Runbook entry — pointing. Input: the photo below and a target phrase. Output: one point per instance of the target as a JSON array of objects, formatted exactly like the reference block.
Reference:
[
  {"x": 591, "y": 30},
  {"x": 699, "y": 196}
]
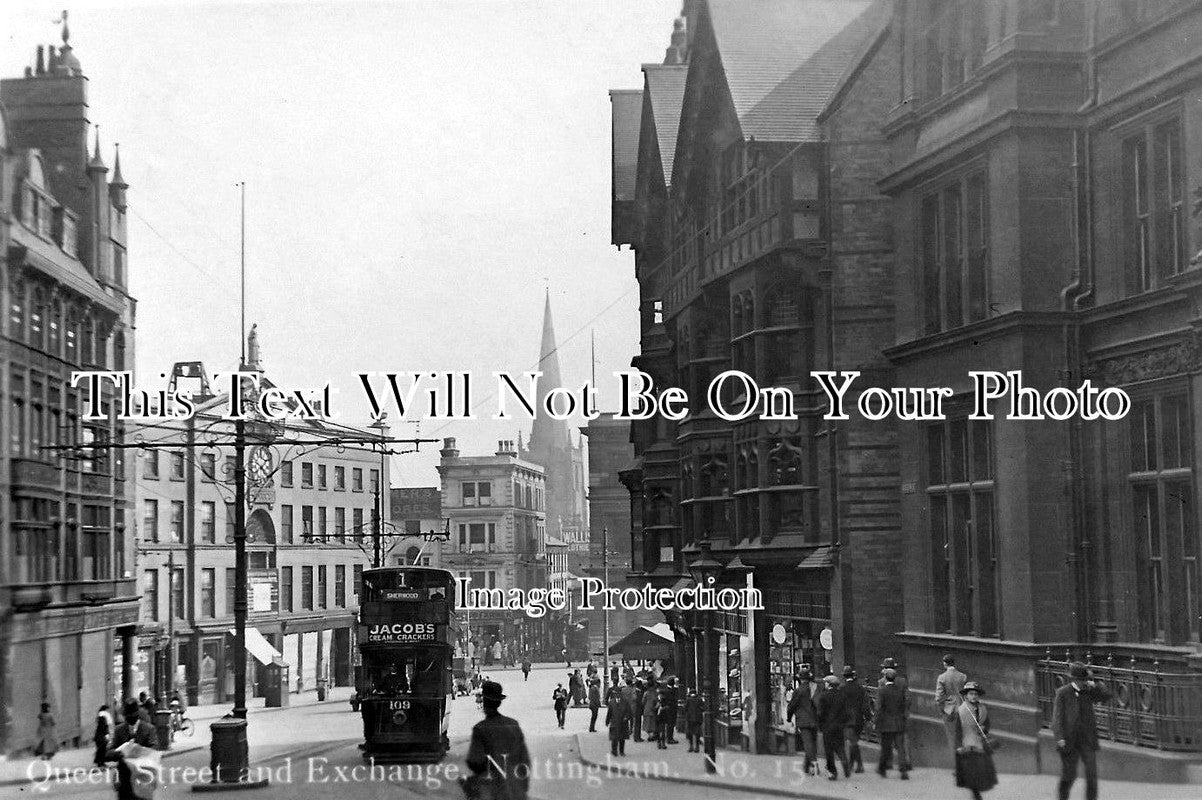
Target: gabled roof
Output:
[
  {"x": 665, "y": 88},
  {"x": 783, "y": 58},
  {"x": 627, "y": 118}
]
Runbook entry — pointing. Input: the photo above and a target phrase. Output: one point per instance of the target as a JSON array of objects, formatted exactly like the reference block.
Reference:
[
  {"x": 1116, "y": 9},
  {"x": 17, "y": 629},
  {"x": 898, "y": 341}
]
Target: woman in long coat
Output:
[
  {"x": 974, "y": 758},
  {"x": 47, "y": 744}
]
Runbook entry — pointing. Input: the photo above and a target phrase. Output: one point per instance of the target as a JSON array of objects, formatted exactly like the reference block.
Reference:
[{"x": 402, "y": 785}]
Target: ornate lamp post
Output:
[{"x": 705, "y": 570}]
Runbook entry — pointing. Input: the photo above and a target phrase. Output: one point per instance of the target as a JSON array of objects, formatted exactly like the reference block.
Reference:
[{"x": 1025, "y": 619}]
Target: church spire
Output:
[{"x": 548, "y": 434}]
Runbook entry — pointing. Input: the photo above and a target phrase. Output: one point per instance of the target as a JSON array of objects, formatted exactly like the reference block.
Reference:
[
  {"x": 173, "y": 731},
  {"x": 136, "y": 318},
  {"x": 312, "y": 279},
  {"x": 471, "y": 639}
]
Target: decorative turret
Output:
[
  {"x": 96, "y": 164},
  {"x": 117, "y": 185},
  {"x": 678, "y": 50},
  {"x": 66, "y": 63}
]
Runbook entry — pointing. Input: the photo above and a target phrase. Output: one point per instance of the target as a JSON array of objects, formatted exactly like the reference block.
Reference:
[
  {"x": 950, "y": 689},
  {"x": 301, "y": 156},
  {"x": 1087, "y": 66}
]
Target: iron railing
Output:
[{"x": 1150, "y": 707}]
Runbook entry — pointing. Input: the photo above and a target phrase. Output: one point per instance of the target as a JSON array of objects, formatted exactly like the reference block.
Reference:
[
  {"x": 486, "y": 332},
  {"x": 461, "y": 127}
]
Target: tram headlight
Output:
[{"x": 399, "y": 717}]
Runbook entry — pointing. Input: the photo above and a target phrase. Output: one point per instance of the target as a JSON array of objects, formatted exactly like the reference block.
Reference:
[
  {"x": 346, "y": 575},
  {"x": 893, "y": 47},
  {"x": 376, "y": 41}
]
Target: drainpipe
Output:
[{"x": 1073, "y": 298}]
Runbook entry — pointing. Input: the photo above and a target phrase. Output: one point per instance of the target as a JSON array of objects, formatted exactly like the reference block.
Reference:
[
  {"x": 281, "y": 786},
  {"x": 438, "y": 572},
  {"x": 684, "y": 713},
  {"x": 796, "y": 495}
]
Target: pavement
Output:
[
  {"x": 784, "y": 776},
  {"x": 309, "y": 751}
]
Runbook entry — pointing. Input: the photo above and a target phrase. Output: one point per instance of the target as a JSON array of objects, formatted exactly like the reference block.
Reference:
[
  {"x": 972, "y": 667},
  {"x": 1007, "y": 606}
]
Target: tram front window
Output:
[{"x": 417, "y": 675}]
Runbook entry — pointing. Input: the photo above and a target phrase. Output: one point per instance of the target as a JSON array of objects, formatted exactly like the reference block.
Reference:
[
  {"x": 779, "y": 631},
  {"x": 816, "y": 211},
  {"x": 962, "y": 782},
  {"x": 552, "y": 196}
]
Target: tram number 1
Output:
[{"x": 398, "y": 705}]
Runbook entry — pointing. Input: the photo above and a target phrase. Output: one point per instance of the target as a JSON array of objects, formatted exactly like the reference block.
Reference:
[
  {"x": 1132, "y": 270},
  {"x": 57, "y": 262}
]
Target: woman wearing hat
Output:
[{"x": 974, "y": 758}]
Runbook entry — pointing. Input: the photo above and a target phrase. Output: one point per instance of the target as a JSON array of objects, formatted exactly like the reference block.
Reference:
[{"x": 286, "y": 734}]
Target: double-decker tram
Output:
[{"x": 407, "y": 636}]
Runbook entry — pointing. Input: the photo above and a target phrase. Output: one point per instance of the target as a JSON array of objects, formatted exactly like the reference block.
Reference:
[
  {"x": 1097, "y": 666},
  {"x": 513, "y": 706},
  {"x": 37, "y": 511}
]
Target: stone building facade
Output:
[
  {"x": 496, "y": 508},
  {"x": 68, "y": 597},
  {"x": 763, "y": 245},
  {"x": 1042, "y": 158},
  {"x": 311, "y": 513}
]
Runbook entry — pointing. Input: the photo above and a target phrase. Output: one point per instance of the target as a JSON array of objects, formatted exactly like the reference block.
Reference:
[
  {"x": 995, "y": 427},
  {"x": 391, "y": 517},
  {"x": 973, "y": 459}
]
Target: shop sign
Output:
[
  {"x": 778, "y": 633},
  {"x": 402, "y": 632},
  {"x": 827, "y": 639}
]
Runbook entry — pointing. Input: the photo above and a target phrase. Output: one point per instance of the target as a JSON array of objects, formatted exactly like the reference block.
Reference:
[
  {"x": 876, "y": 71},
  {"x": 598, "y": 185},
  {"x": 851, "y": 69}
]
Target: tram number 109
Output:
[{"x": 398, "y": 705}]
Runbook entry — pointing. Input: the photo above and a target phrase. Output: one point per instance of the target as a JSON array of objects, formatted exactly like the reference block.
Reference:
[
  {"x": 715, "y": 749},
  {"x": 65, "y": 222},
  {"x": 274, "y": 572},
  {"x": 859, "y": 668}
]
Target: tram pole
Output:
[
  {"x": 605, "y": 610},
  {"x": 240, "y": 568}
]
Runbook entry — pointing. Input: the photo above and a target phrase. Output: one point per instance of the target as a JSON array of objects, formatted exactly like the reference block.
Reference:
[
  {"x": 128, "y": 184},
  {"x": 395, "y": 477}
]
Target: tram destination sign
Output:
[
  {"x": 400, "y": 594},
  {"x": 402, "y": 632}
]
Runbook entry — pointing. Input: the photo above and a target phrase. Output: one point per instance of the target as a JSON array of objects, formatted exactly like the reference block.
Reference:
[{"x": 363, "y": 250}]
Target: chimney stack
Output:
[{"x": 448, "y": 448}]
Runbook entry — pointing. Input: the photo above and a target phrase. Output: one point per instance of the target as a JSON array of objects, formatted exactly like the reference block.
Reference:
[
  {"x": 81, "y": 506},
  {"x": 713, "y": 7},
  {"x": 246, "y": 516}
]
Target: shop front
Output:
[
  {"x": 799, "y": 637},
  {"x": 735, "y": 688}
]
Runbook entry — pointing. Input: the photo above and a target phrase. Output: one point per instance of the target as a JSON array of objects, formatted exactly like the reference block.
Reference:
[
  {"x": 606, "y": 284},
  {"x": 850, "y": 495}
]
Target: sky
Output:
[{"x": 418, "y": 174}]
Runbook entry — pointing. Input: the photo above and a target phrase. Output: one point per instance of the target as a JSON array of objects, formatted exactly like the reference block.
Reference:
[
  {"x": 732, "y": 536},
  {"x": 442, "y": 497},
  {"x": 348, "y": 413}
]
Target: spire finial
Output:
[
  {"x": 66, "y": 30},
  {"x": 117, "y": 164},
  {"x": 97, "y": 163}
]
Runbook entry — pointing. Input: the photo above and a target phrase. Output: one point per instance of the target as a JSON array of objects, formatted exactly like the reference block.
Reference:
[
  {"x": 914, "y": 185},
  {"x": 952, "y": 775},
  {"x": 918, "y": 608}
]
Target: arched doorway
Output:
[{"x": 260, "y": 528}]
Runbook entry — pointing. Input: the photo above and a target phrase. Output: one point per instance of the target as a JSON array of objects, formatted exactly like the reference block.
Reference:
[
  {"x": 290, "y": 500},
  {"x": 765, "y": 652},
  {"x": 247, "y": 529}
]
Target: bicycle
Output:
[{"x": 181, "y": 724}]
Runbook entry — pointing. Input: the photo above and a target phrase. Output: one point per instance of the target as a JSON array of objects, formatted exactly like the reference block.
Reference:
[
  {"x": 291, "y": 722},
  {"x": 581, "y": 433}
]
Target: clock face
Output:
[{"x": 260, "y": 466}]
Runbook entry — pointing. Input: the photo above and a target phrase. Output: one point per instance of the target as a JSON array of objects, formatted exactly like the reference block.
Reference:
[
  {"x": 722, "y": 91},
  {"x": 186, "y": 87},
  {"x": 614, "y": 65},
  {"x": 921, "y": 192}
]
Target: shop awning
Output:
[
  {"x": 821, "y": 558},
  {"x": 646, "y": 642},
  {"x": 258, "y": 646}
]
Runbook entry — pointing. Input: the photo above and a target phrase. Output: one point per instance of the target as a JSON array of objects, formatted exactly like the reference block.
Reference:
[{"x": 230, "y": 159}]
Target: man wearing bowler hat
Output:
[
  {"x": 497, "y": 742},
  {"x": 1076, "y": 729}
]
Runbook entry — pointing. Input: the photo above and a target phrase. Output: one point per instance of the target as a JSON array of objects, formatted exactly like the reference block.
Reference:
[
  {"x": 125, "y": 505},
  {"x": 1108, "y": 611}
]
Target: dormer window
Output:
[
  {"x": 38, "y": 212},
  {"x": 68, "y": 234}
]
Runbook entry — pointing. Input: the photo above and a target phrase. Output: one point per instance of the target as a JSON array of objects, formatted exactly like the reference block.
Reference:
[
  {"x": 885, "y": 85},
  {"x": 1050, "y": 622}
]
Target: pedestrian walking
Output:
[
  {"x": 804, "y": 715},
  {"x": 974, "y": 758},
  {"x": 47, "y": 744},
  {"x": 636, "y": 709},
  {"x": 144, "y": 708},
  {"x": 618, "y": 719},
  {"x": 1076, "y": 730},
  {"x": 891, "y": 725},
  {"x": 948, "y": 699},
  {"x": 651, "y": 713},
  {"x": 581, "y": 697},
  {"x": 900, "y": 679},
  {"x": 673, "y": 709},
  {"x": 693, "y": 715},
  {"x": 497, "y": 754},
  {"x": 858, "y": 710},
  {"x": 560, "y": 699},
  {"x": 594, "y": 703},
  {"x": 832, "y": 717},
  {"x": 104, "y": 730},
  {"x": 526, "y": 669},
  {"x": 133, "y": 728},
  {"x": 663, "y": 717}
]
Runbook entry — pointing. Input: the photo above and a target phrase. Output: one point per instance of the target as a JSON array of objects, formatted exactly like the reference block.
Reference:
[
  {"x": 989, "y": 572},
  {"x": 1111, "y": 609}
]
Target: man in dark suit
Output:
[
  {"x": 891, "y": 724},
  {"x": 858, "y": 709},
  {"x": 673, "y": 708},
  {"x": 497, "y": 740},
  {"x": 804, "y": 715},
  {"x": 832, "y": 714},
  {"x": 133, "y": 729},
  {"x": 618, "y": 718},
  {"x": 899, "y": 678},
  {"x": 1076, "y": 729}
]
